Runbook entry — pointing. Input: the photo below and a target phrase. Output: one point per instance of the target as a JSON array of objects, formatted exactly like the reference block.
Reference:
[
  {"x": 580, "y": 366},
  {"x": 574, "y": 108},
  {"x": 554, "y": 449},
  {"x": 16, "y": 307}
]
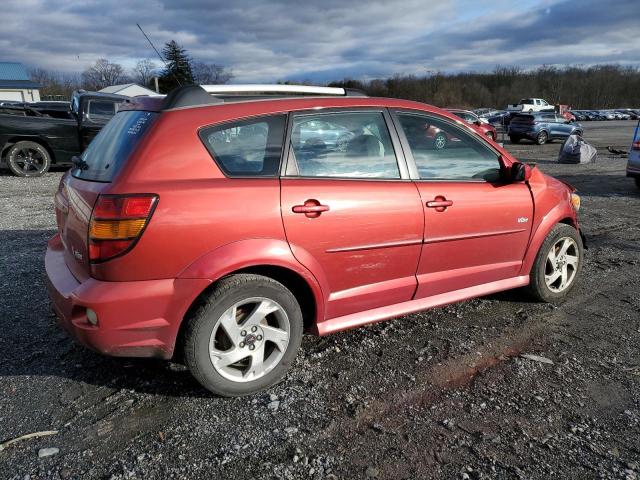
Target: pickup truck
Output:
[
  {"x": 531, "y": 105},
  {"x": 35, "y": 136}
]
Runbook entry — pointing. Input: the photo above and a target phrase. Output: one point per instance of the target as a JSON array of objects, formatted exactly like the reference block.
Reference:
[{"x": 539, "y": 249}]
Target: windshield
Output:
[{"x": 109, "y": 150}]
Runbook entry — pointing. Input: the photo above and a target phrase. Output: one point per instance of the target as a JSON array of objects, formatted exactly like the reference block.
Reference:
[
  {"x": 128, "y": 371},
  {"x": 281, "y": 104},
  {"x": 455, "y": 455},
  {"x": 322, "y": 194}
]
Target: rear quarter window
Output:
[
  {"x": 110, "y": 149},
  {"x": 247, "y": 148}
]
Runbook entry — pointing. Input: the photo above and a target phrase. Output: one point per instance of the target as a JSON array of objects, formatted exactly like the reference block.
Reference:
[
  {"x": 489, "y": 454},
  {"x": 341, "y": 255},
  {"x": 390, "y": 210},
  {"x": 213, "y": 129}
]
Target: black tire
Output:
[
  {"x": 514, "y": 139},
  {"x": 28, "y": 159},
  {"x": 542, "y": 138},
  {"x": 200, "y": 328},
  {"x": 537, "y": 287},
  {"x": 440, "y": 141},
  {"x": 637, "y": 179}
]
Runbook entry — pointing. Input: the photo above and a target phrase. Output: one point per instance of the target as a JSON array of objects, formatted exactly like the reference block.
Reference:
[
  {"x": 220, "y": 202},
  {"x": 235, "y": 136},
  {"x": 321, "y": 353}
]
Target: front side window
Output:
[
  {"x": 249, "y": 148},
  {"x": 443, "y": 151},
  {"x": 347, "y": 145}
]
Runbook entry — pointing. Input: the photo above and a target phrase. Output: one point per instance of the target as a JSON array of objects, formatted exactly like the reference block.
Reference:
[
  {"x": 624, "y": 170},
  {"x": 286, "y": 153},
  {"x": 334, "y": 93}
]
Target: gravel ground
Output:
[{"x": 441, "y": 394}]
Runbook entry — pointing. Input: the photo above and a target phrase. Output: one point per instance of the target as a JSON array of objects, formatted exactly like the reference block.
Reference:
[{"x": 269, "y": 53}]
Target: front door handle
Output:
[
  {"x": 439, "y": 203},
  {"x": 312, "y": 208}
]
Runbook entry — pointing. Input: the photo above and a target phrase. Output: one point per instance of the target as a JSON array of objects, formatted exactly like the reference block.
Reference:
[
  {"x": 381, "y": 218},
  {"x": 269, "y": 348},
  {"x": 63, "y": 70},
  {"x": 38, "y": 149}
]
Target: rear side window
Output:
[
  {"x": 346, "y": 145},
  {"x": 249, "y": 148},
  {"x": 109, "y": 150}
]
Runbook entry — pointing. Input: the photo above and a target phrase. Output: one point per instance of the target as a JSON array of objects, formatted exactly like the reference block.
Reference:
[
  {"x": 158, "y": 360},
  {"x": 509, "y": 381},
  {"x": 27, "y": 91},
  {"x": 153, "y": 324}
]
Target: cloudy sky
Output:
[{"x": 262, "y": 40}]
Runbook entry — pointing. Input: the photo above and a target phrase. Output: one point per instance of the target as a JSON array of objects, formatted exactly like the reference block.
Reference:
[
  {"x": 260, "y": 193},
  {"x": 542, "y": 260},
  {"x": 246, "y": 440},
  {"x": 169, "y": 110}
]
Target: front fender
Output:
[
  {"x": 256, "y": 252},
  {"x": 557, "y": 214}
]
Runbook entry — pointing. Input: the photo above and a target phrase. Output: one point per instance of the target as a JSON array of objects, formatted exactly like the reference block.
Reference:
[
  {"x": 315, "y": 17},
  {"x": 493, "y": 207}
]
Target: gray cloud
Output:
[{"x": 274, "y": 40}]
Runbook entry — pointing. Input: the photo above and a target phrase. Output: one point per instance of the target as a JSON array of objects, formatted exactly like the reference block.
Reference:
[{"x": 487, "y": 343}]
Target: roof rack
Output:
[
  {"x": 256, "y": 89},
  {"x": 197, "y": 95}
]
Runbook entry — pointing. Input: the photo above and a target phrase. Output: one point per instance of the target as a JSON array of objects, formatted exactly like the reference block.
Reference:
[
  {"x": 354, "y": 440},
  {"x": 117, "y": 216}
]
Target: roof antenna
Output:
[{"x": 160, "y": 56}]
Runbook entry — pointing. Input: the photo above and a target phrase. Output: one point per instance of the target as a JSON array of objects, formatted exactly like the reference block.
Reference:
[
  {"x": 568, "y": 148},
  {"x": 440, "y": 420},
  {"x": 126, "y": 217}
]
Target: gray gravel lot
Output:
[{"x": 439, "y": 394}]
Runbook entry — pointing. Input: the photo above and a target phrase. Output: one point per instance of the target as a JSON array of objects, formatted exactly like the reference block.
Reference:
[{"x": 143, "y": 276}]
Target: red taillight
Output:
[
  {"x": 635, "y": 145},
  {"x": 117, "y": 221}
]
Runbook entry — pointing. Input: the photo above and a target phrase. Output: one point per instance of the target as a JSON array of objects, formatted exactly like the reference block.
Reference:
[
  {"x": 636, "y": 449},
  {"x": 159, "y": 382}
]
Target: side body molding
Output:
[{"x": 260, "y": 252}]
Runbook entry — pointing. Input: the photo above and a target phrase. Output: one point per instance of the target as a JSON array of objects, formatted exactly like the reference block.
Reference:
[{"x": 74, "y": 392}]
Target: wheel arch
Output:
[
  {"x": 22, "y": 138},
  {"x": 268, "y": 257},
  {"x": 558, "y": 215}
]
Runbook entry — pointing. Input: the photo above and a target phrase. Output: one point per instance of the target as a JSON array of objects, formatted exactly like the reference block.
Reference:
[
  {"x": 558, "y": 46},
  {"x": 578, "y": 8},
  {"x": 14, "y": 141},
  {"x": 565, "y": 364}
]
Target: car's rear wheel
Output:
[
  {"x": 542, "y": 138},
  {"x": 557, "y": 265},
  {"x": 514, "y": 139},
  {"x": 490, "y": 136},
  {"x": 637, "y": 179},
  {"x": 28, "y": 159},
  {"x": 245, "y": 337}
]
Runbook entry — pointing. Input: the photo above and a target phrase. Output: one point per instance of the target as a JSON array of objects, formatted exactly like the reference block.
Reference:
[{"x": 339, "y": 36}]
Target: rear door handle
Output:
[
  {"x": 439, "y": 203},
  {"x": 311, "y": 208}
]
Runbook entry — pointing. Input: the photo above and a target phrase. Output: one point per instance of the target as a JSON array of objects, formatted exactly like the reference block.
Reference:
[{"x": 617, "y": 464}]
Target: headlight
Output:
[{"x": 575, "y": 201}]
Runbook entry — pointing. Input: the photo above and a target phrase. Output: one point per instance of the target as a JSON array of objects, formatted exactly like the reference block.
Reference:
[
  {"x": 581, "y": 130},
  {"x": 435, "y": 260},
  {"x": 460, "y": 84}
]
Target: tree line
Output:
[
  {"x": 179, "y": 69},
  {"x": 599, "y": 86}
]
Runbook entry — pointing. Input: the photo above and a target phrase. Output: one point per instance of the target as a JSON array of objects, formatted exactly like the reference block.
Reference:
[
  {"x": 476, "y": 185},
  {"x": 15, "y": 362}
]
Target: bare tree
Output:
[
  {"x": 210, "y": 73},
  {"x": 143, "y": 72},
  {"x": 56, "y": 84},
  {"x": 102, "y": 74}
]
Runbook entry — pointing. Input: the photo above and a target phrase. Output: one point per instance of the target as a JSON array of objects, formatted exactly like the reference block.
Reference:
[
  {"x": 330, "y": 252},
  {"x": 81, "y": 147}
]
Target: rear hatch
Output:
[
  {"x": 92, "y": 175},
  {"x": 522, "y": 122}
]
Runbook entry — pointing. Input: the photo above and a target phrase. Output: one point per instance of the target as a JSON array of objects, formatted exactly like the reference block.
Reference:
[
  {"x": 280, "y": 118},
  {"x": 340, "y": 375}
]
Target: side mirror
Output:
[
  {"x": 478, "y": 122},
  {"x": 519, "y": 172}
]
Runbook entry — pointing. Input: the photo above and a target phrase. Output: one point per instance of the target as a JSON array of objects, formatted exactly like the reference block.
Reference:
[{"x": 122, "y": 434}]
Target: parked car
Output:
[
  {"x": 579, "y": 115},
  {"x": 531, "y": 105},
  {"x": 501, "y": 119},
  {"x": 606, "y": 114},
  {"x": 633, "y": 163},
  {"x": 541, "y": 127},
  {"x": 622, "y": 115},
  {"x": 484, "y": 128},
  {"x": 485, "y": 112},
  {"x": 202, "y": 226},
  {"x": 35, "y": 136},
  {"x": 599, "y": 115}
]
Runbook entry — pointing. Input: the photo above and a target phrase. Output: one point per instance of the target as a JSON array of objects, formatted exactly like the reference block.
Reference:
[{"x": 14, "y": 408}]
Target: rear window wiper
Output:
[{"x": 79, "y": 163}]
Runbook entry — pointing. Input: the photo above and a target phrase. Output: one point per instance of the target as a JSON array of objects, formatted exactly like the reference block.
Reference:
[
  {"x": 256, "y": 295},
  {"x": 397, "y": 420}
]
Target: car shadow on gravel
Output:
[{"x": 32, "y": 344}]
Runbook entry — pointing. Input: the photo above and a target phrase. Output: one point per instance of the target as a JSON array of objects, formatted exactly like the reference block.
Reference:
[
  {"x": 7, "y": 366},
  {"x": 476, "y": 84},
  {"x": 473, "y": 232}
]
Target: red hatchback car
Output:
[
  {"x": 223, "y": 226},
  {"x": 485, "y": 128}
]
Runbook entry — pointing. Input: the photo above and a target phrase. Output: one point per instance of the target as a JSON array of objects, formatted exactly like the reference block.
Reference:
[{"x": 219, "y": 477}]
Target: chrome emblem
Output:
[{"x": 523, "y": 220}]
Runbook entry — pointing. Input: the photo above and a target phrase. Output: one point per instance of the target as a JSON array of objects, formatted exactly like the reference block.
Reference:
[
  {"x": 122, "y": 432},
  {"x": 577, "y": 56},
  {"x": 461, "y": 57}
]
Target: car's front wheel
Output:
[
  {"x": 245, "y": 337},
  {"x": 514, "y": 139},
  {"x": 557, "y": 265}
]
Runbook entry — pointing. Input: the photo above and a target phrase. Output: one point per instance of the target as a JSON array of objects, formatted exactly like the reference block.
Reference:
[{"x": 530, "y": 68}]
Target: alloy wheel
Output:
[
  {"x": 29, "y": 160},
  {"x": 561, "y": 265},
  {"x": 249, "y": 339}
]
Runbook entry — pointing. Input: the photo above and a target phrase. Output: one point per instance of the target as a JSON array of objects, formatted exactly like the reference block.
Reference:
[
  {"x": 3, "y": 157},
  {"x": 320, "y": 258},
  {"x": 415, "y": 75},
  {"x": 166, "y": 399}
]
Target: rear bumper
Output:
[
  {"x": 633, "y": 165},
  {"x": 524, "y": 133},
  {"x": 135, "y": 319}
]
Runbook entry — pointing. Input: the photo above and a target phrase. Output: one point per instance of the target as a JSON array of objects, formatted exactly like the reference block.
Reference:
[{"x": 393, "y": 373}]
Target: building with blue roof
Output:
[{"x": 16, "y": 85}]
